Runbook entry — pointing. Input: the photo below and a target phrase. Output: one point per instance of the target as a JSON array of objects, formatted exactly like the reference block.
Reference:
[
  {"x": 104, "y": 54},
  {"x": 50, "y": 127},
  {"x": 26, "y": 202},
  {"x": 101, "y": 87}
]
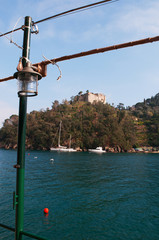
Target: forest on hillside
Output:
[{"x": 89, "y": 125}]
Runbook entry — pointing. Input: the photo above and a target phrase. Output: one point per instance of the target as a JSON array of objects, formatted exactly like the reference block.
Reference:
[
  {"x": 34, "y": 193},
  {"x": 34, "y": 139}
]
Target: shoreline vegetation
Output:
[{"x": 90, "y": 125}]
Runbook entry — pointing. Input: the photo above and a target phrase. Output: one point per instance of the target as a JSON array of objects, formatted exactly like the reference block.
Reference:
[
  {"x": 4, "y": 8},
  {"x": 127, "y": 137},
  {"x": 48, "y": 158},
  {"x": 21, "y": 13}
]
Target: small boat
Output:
[
  {"x": 59, "y": 148},
  {"x": 97, "y": 150},
  {"x": 67, "y": 150},
  {"x": 62, "y": 148}
]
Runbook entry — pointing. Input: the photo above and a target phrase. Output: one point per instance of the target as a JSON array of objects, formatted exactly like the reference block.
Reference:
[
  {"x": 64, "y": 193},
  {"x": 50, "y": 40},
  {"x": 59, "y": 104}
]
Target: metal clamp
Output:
[
  {"x": 34, "y": 28},
  {"x": 15, "y": 202},
  {"x": 16, "y": 166}
]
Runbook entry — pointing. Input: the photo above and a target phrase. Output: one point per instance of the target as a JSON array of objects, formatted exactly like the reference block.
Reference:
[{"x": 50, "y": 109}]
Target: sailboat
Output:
[{"x": 63, "y": 148}]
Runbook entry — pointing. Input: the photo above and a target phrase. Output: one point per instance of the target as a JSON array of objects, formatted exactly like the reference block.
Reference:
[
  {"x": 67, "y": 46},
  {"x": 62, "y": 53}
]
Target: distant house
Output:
[{"x": 92, "y": 97}]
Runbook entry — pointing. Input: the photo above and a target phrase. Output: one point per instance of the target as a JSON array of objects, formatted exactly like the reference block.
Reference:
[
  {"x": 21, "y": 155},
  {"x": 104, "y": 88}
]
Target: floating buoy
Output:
[
  {"x": 51, "y": 159},
  {"x": 46, "y": 210}
]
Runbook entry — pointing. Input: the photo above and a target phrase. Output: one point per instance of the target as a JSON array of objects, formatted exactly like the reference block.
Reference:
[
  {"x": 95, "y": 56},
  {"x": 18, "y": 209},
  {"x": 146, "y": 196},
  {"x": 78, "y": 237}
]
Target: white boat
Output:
[
  {"x": 97, "y": 150},
  {"x": 63, "y": 148},
  {"x": 67, "y": 150},
  {"x": 55, "y": 149}
]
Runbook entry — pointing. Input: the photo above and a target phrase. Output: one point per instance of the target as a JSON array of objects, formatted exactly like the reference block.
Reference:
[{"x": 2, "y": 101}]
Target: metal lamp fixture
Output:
[{"x": 27, "y": 81}]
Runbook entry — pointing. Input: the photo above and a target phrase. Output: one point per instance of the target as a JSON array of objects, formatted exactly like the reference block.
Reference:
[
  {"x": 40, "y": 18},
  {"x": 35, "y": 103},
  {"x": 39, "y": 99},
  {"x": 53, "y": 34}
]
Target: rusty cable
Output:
[{"x": 91, "y": 52}]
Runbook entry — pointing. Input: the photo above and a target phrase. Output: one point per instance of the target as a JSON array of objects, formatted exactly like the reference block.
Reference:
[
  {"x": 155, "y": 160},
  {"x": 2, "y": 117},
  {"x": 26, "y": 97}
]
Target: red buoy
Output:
[{"x": 46, "y": 210}]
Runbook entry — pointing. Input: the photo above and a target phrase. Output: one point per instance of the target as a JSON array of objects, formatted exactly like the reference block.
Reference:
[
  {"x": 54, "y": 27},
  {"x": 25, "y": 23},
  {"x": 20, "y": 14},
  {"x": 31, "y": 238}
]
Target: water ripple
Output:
[{"x": 93, "y": 197}]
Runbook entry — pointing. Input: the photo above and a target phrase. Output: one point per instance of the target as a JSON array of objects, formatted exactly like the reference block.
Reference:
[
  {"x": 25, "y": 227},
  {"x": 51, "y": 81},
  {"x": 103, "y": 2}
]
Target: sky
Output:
[{"x": 125, "y": 76}]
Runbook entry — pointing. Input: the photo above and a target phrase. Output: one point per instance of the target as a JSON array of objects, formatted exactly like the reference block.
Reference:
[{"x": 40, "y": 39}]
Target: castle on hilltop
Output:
[{"x": 92, "y": 97}]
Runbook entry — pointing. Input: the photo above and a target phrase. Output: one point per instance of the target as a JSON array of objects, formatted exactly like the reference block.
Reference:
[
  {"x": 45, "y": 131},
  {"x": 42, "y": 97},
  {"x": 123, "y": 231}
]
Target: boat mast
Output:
[
  {"x": 59, "y": 135},
  {"x": 70, "y": 142}
]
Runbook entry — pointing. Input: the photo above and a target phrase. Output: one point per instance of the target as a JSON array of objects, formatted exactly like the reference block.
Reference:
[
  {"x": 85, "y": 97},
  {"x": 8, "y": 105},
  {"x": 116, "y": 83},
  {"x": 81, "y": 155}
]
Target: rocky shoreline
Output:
[
  {"x": 133, "y": 150},
  {"x": 116, "y": 149}
]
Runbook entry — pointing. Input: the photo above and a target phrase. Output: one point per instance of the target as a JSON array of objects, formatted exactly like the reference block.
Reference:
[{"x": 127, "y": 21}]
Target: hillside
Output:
[
  {"x": 147, "y": 113},
  {"x": 90, "y": 125}
]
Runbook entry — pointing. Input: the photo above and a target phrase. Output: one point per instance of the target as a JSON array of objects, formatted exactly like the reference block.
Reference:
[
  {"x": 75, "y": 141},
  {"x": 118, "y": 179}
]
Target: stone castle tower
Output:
[{"x": 92, "y": 97}]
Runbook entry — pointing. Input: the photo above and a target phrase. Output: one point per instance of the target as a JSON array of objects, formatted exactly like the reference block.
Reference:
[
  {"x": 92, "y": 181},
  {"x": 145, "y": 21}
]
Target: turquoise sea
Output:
[{"x": 89, "y": 196}]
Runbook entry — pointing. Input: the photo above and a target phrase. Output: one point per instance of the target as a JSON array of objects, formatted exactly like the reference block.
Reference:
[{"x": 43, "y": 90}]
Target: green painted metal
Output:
[
  {"x": 7, "y": 227},
  {"x": 23, "y": 233},
  {"x": 19, "y": 225},
  {"x": 18, "y": 197},
  {"x": 32, "y": 235},
  {"x": 14, "y": 200}
]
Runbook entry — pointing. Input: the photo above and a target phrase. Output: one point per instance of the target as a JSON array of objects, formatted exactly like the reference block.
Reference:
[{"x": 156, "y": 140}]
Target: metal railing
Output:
[{"x": 22, "y": 233}]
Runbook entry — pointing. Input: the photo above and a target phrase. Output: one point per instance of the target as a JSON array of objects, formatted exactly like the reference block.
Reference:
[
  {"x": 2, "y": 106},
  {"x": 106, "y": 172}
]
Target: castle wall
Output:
[
  {"x": 91, "y": 97},
  {"x": 98, "y": 97}
]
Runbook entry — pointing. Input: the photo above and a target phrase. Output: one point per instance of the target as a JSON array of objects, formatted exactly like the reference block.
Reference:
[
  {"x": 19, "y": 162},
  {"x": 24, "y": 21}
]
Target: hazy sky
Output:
[{"x": 127, "y": 75}]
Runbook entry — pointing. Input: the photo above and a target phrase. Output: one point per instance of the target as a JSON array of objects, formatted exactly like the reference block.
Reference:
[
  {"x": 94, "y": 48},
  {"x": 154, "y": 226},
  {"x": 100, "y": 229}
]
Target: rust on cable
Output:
[
  {"x": 100, "y": 50},
  {"x": 6, "y": 79},
  {"x": 42, "y": 66}
]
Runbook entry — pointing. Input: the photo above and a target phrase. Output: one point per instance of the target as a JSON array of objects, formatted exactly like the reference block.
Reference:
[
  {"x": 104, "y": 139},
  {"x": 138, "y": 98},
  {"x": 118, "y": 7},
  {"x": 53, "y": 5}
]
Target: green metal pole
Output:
[{"x": 21, "y": 139}]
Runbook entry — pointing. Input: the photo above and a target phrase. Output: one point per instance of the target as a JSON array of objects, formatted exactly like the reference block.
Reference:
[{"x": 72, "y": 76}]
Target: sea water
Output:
[{"x": 90, "y": 196}]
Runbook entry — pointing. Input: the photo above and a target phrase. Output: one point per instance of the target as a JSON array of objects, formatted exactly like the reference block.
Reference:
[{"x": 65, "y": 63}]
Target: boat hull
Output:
[
  {"x": 63, "y": 149},
  {"x": 97, "y": 150}
]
